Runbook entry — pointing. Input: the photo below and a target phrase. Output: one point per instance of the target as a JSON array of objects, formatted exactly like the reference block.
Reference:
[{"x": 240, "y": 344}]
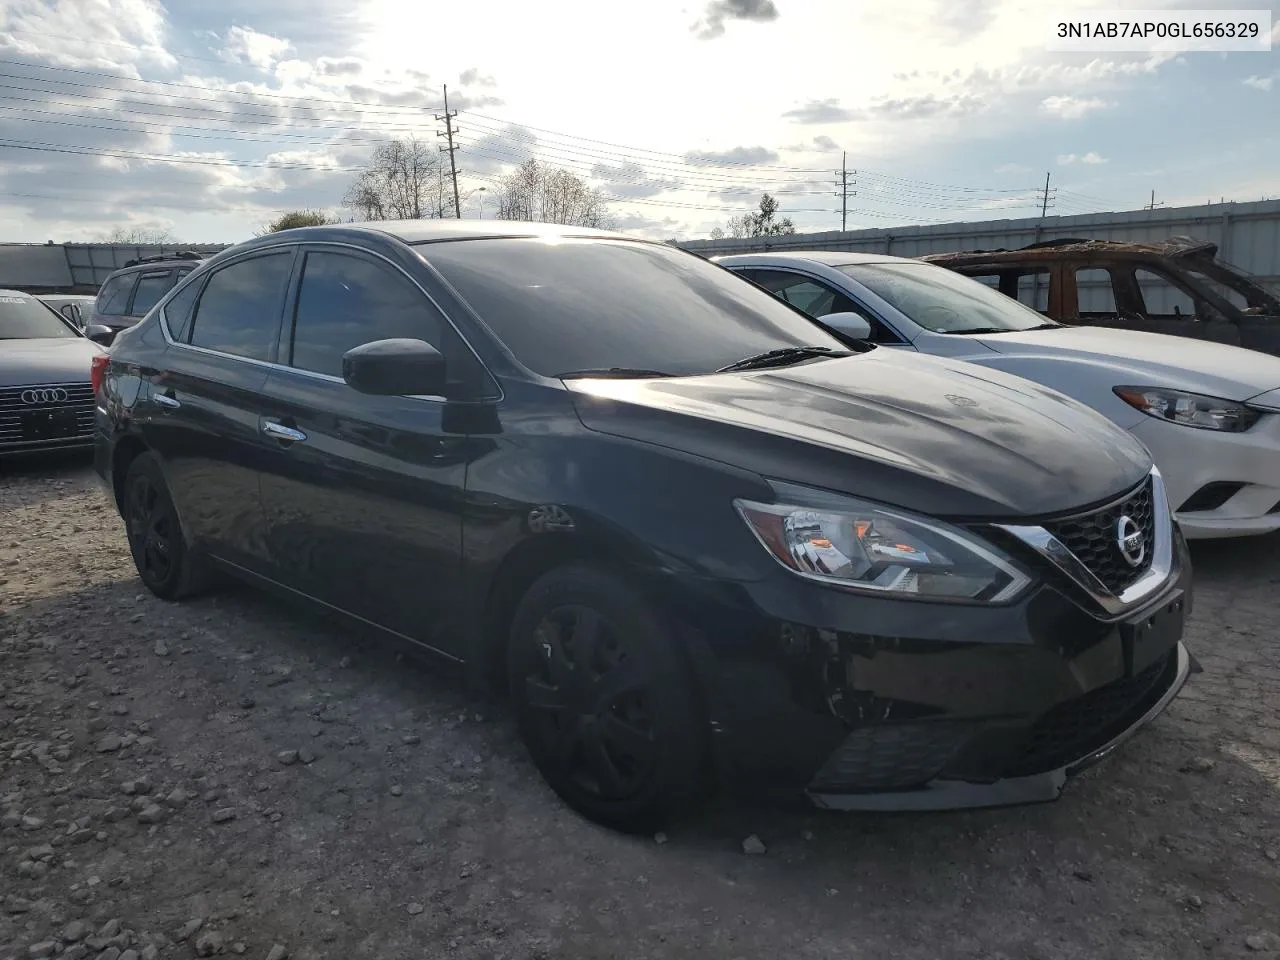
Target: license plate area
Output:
[
  {"x": 49, "y": 425},
  {"x": 1154, "y": 636}
]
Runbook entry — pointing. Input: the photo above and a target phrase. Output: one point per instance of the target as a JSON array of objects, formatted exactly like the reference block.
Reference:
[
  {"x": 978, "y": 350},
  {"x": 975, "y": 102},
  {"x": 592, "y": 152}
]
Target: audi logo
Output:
[{"x": 45, "y": 395}]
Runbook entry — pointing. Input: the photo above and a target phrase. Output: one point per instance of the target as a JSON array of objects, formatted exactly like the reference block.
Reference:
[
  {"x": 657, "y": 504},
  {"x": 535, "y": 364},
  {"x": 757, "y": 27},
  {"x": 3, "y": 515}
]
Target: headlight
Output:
[
  {"x": 866, "y": 547},
  {"x": 1189, "y": 409}
]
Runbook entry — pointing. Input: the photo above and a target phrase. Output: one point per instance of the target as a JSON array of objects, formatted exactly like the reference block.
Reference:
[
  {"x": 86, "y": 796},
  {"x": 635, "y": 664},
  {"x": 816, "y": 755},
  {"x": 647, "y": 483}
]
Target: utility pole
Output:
[
  {"x": 1044, "y": 204},
  {"x": 450, "y": 149},
  {"x": 1152, "y": 205},
  {"x": 844, "y": 194}
]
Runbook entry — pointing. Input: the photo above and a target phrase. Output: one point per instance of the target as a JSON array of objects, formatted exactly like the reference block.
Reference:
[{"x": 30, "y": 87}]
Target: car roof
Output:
[
  {"x": 1076, "y": 248},
  {"x": 831, "y": 258},
  {"x": 429, "y": 231}
]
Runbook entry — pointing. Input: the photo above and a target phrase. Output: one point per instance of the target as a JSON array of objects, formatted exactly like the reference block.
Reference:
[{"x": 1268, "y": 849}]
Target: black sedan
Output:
[
  {"x": 46, "y": 402},
  {"x": 698, "y": 541}
]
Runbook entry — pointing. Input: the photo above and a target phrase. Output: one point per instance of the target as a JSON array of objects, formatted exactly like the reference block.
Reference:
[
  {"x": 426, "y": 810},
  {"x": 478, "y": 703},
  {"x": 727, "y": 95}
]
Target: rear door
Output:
[
  {"x": 202, "y": 409},
  {"x": 364, "y": 494}
]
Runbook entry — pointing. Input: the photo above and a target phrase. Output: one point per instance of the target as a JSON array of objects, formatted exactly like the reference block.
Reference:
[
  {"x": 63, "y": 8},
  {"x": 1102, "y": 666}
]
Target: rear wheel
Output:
[
  {"x": 160, "y": 551},
  {"x": 606, "y": 704}
]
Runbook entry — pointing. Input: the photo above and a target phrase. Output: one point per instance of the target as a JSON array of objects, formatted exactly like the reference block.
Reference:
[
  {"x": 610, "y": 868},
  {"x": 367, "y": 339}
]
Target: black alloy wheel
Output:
[
  {"x": 606, "y": 704},
  {"x": 160, "y": 552},
  {"x": 591, "y": 704},
  {"x": 153, "y": 530}
]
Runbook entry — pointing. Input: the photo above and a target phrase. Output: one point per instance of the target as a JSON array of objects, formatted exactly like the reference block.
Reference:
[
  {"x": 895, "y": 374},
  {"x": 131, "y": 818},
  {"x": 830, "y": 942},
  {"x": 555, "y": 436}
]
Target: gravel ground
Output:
[{"x": 231, "y": 776}]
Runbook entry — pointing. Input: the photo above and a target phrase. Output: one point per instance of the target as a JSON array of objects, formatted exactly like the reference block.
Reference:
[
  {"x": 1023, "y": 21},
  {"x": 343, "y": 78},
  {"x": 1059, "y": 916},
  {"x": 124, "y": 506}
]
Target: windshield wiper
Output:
[
  {"x": 781, "y": 357},
  {"x": 968, "y": 330},
  {"x": 616, "y": 373}
]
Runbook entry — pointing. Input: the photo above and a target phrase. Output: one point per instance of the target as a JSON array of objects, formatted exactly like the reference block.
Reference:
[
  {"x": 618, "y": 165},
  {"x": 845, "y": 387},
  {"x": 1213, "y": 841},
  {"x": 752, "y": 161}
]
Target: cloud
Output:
[
  {"x": 632, "y": 180},
  {"x": 928, "y": 105},
  {"x": 1072, "y": 108},
  {"x": 246, "y": 45},
  {"x": 1091, "y": 157},
  {"x": 1011, "y": 168},
  {"x": 820, "y": 111},
  {"x": 743, "y": 155},
  {"x": 718, "y": 11},
  {"x": 824, "y": 144},
  {"x": 474, "y": 77},
  {"x": 1260, "y": 83},
  {"x": 338, "y": 66}
]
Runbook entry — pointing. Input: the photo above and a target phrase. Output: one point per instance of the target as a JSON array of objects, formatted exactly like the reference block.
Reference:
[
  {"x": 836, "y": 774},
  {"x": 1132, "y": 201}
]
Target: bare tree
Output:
[
  {"x": 404, "y": 180},
  {"x": 139, "y": 235},
  {"x": 550, "y": 195}
]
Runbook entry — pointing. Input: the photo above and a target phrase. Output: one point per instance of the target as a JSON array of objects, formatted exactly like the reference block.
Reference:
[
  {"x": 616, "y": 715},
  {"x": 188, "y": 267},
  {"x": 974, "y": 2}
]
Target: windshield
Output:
[
  {"x": 943, "y": 301},
  {"x": 567, "y": 305},
  {"x": 26, "y": 318},
  {"x": 1241, "y": 292}
]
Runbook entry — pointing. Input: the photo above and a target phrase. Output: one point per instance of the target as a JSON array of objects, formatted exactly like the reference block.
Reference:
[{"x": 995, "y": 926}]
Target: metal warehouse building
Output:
[
  {"x": 76, "y": 267},
  {"x": 1247, "y": 235}
]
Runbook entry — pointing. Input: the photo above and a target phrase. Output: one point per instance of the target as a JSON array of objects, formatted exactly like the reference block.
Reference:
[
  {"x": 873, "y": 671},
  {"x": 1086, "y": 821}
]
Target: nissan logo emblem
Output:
[
  {"x": 45, "y": 395},
  {"x": 1130, "y": 540}
]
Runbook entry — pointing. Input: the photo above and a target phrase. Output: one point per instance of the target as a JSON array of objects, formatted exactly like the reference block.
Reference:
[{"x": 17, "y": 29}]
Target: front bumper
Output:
[
  {"x": 869, "y": 703},
  {"x": 1085, "y": 731},
  {"x": 1194, "y": 460}
]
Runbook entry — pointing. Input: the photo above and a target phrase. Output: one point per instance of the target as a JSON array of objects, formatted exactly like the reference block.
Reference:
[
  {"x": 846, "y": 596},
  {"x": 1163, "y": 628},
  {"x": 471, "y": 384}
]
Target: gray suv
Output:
[{"x": 127, "y": 295}]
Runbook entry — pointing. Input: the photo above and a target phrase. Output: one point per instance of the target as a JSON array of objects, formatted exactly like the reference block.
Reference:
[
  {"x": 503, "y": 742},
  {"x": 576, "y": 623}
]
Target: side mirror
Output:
[
  {"x": 848, "y": 324},
  {"x": 395, "y": 368},
  {"x": 100, "y": 333}
]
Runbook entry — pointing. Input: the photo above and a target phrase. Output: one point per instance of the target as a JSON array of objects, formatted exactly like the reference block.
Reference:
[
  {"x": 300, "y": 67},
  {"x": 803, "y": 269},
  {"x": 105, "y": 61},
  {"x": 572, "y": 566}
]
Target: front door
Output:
[{"x": 364, "y": 493}]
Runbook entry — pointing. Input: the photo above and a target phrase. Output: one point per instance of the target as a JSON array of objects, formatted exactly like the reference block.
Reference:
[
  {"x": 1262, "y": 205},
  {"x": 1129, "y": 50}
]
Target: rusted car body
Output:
[{"x": 1178, "y": 287}]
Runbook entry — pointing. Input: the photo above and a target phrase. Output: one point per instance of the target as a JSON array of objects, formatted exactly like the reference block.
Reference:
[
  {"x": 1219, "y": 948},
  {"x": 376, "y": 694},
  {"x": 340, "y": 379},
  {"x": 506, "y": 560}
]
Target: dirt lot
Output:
[{"x": 231, "y": 776}]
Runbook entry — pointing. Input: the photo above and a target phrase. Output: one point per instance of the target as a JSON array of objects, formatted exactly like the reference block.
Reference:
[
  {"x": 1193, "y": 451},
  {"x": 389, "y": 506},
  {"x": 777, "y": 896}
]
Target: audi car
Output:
[
  {"x": 698, "y": 541},
  {"x": 46, "y": 401},
  {"x": 1209, "y": 412}
]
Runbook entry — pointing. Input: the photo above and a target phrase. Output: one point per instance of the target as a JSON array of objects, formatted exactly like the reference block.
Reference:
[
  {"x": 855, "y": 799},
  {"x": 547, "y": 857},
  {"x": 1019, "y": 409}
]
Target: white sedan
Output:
[{"x": 1209, "y": 413}]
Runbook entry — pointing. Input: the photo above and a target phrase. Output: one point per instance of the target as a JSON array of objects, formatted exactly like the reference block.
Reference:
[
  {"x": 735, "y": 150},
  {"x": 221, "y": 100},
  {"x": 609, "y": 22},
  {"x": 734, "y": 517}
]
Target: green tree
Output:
[
  {"x": 764, "y": 222},
  {"x": 298, "y": 218}
]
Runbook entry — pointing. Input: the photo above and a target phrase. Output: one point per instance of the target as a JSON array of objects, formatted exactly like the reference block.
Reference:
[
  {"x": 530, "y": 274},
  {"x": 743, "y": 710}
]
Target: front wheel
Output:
[
  {"x": 605, "y": 701},
  {"x": 160, "y": 551}
]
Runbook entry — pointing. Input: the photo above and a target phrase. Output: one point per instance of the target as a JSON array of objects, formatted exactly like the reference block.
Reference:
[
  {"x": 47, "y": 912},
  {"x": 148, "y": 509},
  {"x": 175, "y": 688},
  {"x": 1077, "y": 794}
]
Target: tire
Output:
[
  {"x": 164, "y": 560},
  {"x": 605, "y": 702}
]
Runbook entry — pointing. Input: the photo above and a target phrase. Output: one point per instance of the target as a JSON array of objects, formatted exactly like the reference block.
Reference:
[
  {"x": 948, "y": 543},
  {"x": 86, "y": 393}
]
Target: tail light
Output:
[{"x": 98, "y": 372}]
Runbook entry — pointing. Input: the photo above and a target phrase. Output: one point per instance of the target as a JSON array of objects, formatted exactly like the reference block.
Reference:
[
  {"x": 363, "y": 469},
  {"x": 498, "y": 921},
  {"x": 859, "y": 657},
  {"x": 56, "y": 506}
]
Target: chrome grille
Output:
[
  {"x": 36, "y": 413},
  {"x": 1092, "y": 538}
]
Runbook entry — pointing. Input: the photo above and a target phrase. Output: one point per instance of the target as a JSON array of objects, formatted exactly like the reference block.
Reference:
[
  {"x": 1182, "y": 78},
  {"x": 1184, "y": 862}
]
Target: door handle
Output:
[
  {"x": 167, "y": 400},
  {"x": 278, "y": 431}
]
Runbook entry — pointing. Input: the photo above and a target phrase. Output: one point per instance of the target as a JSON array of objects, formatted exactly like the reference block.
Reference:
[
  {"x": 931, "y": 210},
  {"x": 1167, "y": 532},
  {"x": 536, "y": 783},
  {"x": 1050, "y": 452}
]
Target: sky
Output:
[{"x": 207, "y": 120}]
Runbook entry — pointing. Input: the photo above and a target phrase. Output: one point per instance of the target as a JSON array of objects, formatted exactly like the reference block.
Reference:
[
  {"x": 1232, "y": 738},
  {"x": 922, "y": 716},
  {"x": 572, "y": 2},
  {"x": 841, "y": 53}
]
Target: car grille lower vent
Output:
[
  {"x": 1093, "y": 538},
  {"x": 1076, "y": 728}
]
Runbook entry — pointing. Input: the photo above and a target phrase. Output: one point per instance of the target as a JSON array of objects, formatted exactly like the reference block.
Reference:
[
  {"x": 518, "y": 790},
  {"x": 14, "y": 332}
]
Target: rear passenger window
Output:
[
  {"x": 113, "y": 298},
  {"x": 344, "y": 301},
  {"x": 1094, "y": 290},
  {"x": 1033, "y": 290},
  {"x": 177, "y": 312},
  {"x": 151, "y": 287},
  {"x": 239, "y": 310}
]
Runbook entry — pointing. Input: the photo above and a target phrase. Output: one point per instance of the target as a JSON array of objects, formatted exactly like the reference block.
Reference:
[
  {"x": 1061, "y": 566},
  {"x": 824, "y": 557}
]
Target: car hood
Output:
[
  {"x": 1151, "y": 359},
  {"x": 46, "y": 360},
  {"x": 941, "y": 437}
]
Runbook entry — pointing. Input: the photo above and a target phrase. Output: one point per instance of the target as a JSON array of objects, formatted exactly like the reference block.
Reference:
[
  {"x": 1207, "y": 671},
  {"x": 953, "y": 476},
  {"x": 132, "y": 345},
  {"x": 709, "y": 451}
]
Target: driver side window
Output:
[
  {"x": 817, "y": 299},
  {"x": 344, "y": 301}
]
